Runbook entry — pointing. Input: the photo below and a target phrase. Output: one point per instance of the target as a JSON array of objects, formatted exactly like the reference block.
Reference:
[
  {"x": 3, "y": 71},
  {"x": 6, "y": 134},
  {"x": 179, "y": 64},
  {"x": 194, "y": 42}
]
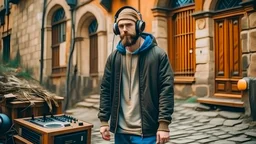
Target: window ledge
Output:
[
  {"x": 184, "y": 80},
  {"x": 58, "y": 75}
]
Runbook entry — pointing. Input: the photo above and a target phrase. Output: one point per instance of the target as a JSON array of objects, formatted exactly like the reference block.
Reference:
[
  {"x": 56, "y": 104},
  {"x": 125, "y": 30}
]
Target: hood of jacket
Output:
[{"x": 149, "y": 42}]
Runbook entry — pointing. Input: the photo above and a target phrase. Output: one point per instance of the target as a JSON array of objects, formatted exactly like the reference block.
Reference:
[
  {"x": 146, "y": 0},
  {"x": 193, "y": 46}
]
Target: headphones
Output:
[{"x": 139, "y": 24}]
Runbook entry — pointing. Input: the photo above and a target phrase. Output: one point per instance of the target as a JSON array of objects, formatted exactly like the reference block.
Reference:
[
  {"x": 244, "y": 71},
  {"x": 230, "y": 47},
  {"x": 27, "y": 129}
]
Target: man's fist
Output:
[{"x": 104, "y": 131}]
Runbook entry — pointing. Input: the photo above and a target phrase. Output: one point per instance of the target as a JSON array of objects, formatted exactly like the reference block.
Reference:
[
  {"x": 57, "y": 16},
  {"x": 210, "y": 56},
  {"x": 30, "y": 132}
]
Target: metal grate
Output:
[
  {"x": 184, "y": 43},
  {"x": 181, "y": 3}
]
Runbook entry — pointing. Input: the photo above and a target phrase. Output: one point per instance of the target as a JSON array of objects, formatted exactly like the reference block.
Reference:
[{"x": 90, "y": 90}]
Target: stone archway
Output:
[
  {"x": 84, "y": 16},
  {"x": 51, "y": 8}
]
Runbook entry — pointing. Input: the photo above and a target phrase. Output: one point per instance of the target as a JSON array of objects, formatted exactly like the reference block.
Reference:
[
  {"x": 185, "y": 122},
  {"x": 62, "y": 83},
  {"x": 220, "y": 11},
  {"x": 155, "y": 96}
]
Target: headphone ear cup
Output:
[
  {"x": 115, "y": 29},
  {"x": 140, "y": 26}
]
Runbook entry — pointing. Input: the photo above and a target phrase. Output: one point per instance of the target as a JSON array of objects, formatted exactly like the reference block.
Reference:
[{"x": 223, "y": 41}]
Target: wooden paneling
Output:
[
  {"x": 58, "y": 31},
  {"x": 183, "y": 47},
  {"x": 93, "y": 53},
  {"x": 227, "y": 55}
]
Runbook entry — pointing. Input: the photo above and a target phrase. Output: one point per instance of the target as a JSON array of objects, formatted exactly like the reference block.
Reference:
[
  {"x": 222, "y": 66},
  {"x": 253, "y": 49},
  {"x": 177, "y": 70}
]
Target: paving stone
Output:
[
  {"x": 197, "y": 124},
  {"x": 191, "y": 112},
  {"x": 182, "y": 141},
  {"x": 207, "y": 140},
  {"x": 185, "y": 111},
  {"x": 187, "y": 122},
  {"x": 190, "y": 105},
  {"x": 204, "y": 120},
  {"x": 219, "y": 133},
  {"x": 177, "y": 133},
  {"x": 239, "y": 139},
  {"x": 225, "y": 136},
  {"x": 252, "y": 134},
  {"x": 236, "y": 132},
  {"x": 241, "y": 127},
  {"x": 230, "y": 115},
  {"x": 181, "y": 118},
  {"x": 208, "y": 114},
  {"x": 199, "y": 117},
  {"x": 202, "y": 107},
  {"x": 204, "y": 127},
  {"x": 232, "y": 122},
  {"x": 184, "y": 127},
  {"x": 211, "y": 131},
  {"x": 217, "y": 121},
  {"x": 223, "y": 142},
  {"x": 179, "y": 136},
  {"x": 198, "y": 137},
  {"x": 250, "y": 142},
  {"x": 178, "y": 109}
]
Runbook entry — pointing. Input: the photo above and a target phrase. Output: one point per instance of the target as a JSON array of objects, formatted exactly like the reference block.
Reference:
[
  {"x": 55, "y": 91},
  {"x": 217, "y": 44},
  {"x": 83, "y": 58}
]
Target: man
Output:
[{"x": 137, "y": 86}]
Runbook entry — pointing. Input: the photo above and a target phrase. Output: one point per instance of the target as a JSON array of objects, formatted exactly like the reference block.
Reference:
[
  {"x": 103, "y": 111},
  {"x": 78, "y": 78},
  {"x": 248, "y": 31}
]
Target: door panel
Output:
[{"x": 227, "y": 55}]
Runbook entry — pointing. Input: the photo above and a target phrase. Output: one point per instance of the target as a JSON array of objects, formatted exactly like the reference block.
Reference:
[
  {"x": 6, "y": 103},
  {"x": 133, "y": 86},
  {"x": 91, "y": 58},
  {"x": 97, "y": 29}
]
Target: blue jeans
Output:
[{"x": 133, "y": 139}]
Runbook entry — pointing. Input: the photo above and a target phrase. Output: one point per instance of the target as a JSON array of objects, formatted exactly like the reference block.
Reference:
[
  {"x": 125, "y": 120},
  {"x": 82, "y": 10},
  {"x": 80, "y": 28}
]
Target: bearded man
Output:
[{"x": 137, "y": 86}]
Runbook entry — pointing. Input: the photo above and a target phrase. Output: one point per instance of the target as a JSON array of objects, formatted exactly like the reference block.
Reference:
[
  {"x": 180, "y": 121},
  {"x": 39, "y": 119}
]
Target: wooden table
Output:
[{"x": 48, "y": 134}]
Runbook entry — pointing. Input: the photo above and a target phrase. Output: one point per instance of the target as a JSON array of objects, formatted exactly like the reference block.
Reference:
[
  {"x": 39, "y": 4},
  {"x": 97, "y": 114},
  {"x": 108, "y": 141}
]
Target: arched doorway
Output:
[{"x": 228, "y": 53}]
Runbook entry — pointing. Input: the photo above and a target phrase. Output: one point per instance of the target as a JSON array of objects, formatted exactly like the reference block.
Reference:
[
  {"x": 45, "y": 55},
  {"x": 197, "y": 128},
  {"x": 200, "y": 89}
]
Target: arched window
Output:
[
  {"x": 225, "y": 4},
  {"x": 182, "y": 37},
  {"x": 181, "y": 3},
  {"x": 58, "y": 39},
  {"x": 93, "y": 47}
]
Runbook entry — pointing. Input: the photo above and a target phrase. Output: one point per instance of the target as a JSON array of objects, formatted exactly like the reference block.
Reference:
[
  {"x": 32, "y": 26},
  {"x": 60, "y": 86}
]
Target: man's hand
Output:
[
  {"x": 162, "y": 137},
  {"x": 104, "y": 131}
]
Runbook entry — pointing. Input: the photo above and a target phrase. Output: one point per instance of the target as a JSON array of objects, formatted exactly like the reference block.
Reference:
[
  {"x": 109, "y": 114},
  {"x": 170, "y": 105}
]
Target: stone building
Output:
[{"x": 211, "y": 43}]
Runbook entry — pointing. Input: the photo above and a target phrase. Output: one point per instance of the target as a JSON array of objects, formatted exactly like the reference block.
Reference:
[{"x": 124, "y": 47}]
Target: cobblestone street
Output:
[{"x": 192, "y": 123}]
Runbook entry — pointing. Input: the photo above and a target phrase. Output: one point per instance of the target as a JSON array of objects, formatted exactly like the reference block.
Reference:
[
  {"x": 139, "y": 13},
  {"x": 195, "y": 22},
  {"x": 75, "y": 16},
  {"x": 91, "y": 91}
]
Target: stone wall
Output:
[{"x": 26, "y": 31}]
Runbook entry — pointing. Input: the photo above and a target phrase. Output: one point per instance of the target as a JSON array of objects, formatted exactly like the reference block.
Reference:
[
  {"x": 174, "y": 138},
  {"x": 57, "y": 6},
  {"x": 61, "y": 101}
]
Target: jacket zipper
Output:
[
  {"x": 140, "y": 102},
  {"x": 119, "y": 95},
  {"x": 130, "y": 80}
]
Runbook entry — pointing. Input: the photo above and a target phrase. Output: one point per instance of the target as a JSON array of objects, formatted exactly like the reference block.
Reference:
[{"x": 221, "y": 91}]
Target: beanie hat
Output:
[{"x": 128, "y": 14}]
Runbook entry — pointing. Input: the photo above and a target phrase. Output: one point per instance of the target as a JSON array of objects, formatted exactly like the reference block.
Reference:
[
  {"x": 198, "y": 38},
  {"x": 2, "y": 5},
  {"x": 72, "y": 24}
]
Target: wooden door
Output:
[{"x": 228, "y": 69}]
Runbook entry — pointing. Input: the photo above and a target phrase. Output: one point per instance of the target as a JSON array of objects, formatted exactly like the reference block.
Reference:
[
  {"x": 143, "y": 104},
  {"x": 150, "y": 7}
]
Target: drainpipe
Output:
[
  {"x": 72, "y": 47},
  {"x": 42, "y": 44}
]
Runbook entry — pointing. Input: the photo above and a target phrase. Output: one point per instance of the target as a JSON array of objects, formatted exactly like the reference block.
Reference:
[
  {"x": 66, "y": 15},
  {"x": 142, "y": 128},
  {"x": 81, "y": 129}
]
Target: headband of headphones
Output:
[{"x": 124, "y": 7}]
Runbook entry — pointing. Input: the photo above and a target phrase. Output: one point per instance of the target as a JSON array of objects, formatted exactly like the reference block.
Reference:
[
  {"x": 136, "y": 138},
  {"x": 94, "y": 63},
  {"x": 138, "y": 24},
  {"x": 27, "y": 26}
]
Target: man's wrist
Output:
[
  {"x": 104, "y": 123},
  {"x": 163, "y": 126}
]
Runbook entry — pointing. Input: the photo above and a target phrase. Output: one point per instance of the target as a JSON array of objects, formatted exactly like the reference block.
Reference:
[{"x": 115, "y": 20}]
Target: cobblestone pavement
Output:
[{"x": 192, "y": 123}]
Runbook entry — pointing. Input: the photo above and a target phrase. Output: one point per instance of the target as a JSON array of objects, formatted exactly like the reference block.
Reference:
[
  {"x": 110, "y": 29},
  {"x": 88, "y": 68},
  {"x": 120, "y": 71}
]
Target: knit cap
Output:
[{"x": 127, "y": 14}]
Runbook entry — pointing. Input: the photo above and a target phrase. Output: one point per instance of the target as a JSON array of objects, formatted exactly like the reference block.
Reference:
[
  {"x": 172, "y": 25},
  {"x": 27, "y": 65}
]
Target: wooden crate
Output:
[{"x": 20, "y": 109}]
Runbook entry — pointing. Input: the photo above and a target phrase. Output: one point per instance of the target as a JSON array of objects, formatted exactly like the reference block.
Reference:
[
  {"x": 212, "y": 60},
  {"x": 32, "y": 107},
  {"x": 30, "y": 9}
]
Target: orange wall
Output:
[{"x": 144, "y": 6}]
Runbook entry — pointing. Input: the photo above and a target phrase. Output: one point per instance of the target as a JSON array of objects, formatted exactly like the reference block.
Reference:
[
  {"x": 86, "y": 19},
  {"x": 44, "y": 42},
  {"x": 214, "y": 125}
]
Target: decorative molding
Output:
[
  {"x": 202, "y": 14},
  {"x": 201, "y": 23},
  {"x": 159, "y": 13},
  {"x": 249, "y": 5}
]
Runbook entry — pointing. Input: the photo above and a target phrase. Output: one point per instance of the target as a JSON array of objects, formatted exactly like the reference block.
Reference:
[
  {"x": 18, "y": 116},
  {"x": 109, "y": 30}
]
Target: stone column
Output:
[
  {"x": 204, "y": 75},
  {"x": 160, "y": 29},
  {"x": 102, "y": 51},
  {"x": 252, "y": 44}
]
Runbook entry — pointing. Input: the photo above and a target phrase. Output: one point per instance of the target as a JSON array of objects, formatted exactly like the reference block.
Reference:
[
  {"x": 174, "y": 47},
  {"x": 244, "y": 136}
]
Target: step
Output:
[
  {"x": 90, "y": 100},
  {"x": 223, "y": 95},
  {"x": 222, "y": 101},
  {"x": 96, "y": 96}
]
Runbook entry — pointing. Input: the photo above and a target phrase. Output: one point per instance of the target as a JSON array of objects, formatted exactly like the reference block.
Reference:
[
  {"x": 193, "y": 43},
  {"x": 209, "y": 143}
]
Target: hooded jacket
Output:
[{"x": 155, "y": 87}]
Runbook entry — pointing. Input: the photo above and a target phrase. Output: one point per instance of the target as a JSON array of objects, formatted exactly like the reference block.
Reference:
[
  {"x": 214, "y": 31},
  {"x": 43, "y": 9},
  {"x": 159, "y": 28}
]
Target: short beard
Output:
[{"x": 128, "y": 39}]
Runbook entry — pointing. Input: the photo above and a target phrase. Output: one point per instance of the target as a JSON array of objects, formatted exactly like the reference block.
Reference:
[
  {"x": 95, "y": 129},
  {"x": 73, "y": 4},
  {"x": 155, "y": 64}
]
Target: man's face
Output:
[{"x": 127, "y": 32}]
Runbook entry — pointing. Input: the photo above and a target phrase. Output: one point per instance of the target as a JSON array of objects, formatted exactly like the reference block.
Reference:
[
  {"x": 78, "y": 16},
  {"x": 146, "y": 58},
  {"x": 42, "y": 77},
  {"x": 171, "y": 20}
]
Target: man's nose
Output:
[{"x": 124, "y": 28}]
